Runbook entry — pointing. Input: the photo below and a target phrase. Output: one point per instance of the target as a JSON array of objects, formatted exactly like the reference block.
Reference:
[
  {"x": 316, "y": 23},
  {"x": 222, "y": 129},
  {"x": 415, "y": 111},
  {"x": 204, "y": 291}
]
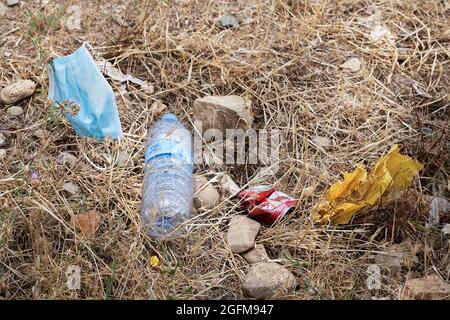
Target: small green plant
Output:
[
  {"x": 20, "y": 193},
  {"x": 110, "y": 280},
  {"x": 40, "y": 23},
  {"x": 311, "y": 287},
  {"x": 6, "y": 215},
  {"x": 52, "y": 116}
]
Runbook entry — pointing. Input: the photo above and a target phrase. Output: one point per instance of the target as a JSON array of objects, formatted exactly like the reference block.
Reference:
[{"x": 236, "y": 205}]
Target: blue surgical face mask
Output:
[{"x": 78, "y": 87}]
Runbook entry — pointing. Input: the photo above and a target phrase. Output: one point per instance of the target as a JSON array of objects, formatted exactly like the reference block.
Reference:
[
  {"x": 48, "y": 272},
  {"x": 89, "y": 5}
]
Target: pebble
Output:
[
  {"x": 3, "y": 9},
  {"x": 229, "y": 22},
  {"x": 2, "y": 139},
  {"x": 74, "y": 20},
  {"x": 255, "y": 255},
  {"x": 123, "y": 159},
  {"x": 352, "y": 65},
  {"x": 321, "y": 141},
  {"x": 206, "y": 195},
  {"x": 148, "y": 88},
  {"x": 67, "y": 158},
  {"x": 71, "y": 188},
  {"x": 242, "y": 232},
  {"x": 446, "y": 229},
  {"x": 228, "y": 185},
  {"x": 157, "y": 107},
  {"x": 17, "y": 91},
  {"x": 2, "y": 153},
  {"x": 40, "y": 134},
  {"x": 11, "y": 3},
  {"x": 430, "y": 287},
  {"x": 266, "y": 279},
  {"x": 221, "y": 113},
  {"x": 15, "y": 111}
]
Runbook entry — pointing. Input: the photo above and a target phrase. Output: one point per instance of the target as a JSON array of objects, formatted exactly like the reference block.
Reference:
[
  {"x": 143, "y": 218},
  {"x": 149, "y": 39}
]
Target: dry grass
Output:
[{"x": 285, "y": 58}]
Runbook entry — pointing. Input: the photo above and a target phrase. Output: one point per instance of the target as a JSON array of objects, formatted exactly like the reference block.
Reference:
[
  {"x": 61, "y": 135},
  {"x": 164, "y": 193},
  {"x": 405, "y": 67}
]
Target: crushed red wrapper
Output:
[{"x": 265, "y": 204}]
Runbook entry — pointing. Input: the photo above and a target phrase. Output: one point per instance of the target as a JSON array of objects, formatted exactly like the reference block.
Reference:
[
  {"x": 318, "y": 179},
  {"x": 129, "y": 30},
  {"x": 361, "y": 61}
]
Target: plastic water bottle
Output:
[{"x": 168, "y": 189}]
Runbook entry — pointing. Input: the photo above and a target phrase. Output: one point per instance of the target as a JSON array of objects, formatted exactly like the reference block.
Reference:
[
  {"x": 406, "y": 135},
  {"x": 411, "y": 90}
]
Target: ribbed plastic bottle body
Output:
[{"x": 168, "y": 188}]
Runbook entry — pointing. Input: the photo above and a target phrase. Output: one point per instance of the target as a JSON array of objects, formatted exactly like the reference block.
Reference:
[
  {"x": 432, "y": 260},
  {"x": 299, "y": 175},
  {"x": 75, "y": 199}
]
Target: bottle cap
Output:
[{"x": 169, "y": 116}]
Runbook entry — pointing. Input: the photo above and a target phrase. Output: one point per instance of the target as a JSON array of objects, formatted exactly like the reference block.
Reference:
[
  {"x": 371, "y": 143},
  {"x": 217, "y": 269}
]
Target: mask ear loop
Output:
[{"x": 88, "y": 46}]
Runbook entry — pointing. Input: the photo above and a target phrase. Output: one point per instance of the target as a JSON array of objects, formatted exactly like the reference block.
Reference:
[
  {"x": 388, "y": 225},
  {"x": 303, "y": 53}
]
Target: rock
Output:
[
  {"x": 242, "y": 232},
  {"x": 15, "y": 111},
  {"x": 322, "y": 141},
  {"x": 17, "y": 91},
  {"x": 41, "y": 134},
  {"x": 2, "y": 139},
  {"x": 427, "y": 288},
  {"x": 446, "y": 229},
  {"x": 71, "y": 188},
  {"x": 123, "y": 159},
  {"x": 122, "y": 22},
  {"x": 157, "y": 107},
  {"x": 74, "y": 20},
  {"x": 255, "y": 255},
  {"x": 352, "y": 65},
  {"x": 65, "y": 157},
  {"x": 3, "y": 9},
  {"x": 266, "y": 279},
  {"x": 221, "y": 113},
  {"x": 2, "y": 153},
  {"x": 403, "y": 80},
  {"x": 439, "y": 207},
  {"x": 404, "y": 53},
  {"x": 380, "y": 32},
  {"x": 205, "y": 195},
  {"x": 11, "y": 3},
  {"x": 228, "y": 185},
  {"x": 229, "y": 22},
  {"x": 397, "y": 255},
  {"x": 148, "y": 88}
]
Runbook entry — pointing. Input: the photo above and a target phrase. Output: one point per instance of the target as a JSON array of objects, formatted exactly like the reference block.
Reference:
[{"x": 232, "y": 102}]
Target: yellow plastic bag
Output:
[{"x": 391, "y": 174}]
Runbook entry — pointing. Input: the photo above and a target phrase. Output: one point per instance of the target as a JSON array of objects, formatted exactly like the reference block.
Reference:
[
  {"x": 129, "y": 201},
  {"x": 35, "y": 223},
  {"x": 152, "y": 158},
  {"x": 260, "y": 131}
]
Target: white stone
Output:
[
  {"x": 67, "y": 158},
  {"x": 74, "y": 20},
  {"x": 12, "y": 2},
  {"x": 17, "y": 91},
  {"x": 2, "y": 139},
  {"x": 242, "y": 232},
  {"x": 266, "y": 279},
  {"x": 256, "y": 254},
  {"x": 352, "y": 65},
  {"x": 221, "y": 113},
  {"x": 15, "y": 111},
  {"x": 206, "y": 195},
  {"x": 40, "y": 134},
  {"x": 3, "y": 9},
  {"x": 71, "y": 188},
  {"x": 321, "y": 141},
  {"x": 157, "y": 107},
  {"x": 228, "y": 185},
  {"x": 123, "y": 159}
]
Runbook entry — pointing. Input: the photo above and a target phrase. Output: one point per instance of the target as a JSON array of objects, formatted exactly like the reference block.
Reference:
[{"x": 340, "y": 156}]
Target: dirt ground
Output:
[{"x": 286, "y": 57}]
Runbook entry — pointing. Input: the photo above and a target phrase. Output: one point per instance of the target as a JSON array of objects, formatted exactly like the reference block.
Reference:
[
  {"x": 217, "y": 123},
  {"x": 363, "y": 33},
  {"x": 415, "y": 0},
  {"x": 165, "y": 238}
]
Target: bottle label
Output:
[{"x": 180, "y": 148}]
